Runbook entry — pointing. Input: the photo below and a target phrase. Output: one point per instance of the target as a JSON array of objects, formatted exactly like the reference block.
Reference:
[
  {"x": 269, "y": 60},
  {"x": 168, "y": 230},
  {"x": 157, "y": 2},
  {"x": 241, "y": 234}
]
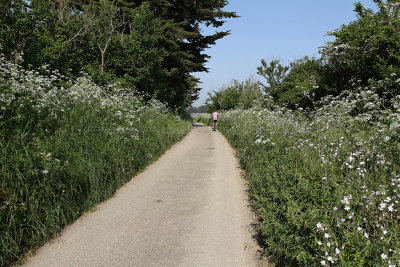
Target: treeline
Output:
[
  {"x": 366, "y": 50},
  {"x": 149, "y": 46},
  {"x": 200, "y": 109}
]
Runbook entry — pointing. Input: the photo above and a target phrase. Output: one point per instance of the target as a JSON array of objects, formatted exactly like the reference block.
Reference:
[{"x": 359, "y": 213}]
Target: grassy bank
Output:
[
  {"x": 65, "y": 146},
  {"x": 326, "y": 185}
]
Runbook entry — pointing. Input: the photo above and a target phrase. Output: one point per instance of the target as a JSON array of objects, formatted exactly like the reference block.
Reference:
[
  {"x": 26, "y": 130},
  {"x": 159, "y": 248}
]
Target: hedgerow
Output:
[
  {"x": 66, "y": 145},
  {"x": 325, "y": 184}
]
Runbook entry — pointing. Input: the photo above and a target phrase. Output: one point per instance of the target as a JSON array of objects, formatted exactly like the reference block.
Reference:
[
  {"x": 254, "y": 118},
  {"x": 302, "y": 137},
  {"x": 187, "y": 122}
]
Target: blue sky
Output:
[{"x": 271, "y": 29}]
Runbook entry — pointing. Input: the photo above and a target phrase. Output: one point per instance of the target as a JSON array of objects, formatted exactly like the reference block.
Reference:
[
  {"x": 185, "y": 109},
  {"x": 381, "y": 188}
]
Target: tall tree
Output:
[
  {"x": 16, "y": 27},
  {"x": 105, "y": 22},
  {"x": 366, "y": 48},
  {"x": 184, "y": 43},
  {"x": 136, "y": 56},
  {"x": 274, "y": 72}
]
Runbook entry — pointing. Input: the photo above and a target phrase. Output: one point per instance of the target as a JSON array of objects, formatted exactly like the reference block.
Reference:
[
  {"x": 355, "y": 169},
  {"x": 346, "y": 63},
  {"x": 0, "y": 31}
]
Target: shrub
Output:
[{"x": 236, "y": 95}]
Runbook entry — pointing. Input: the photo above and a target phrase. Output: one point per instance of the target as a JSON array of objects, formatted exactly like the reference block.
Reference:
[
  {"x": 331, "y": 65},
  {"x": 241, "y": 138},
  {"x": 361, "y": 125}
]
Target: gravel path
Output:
[{"x": 189, "y": 208}]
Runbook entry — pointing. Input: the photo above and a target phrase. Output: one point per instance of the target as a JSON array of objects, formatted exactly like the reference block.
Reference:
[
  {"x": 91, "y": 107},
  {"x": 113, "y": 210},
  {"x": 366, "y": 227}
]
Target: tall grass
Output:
[
  {"x": 325, "y": 185},
  {"x": 65, "y": 146}
]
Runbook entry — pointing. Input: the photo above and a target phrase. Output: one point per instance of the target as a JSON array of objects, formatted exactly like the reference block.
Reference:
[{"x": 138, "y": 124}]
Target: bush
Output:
[
  {"x": 236, "y": 95},
  {"x": 366, "y": 48},
  {"x": 65, "y": 146},
  {"x": 325, "y": 185}
]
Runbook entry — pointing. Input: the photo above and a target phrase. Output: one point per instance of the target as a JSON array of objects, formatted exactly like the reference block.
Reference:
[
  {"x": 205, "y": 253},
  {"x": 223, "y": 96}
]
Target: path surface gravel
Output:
[{"x": 189, "y": 208}]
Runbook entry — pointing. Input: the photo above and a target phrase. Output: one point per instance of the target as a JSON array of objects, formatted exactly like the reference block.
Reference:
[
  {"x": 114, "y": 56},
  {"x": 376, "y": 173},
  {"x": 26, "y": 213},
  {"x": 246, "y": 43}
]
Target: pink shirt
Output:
[{"x": 215, "y": 115}]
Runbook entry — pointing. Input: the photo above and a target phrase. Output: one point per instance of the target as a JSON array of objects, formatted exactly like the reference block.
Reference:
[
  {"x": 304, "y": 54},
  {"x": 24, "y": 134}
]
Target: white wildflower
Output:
[
  {"x": 390, "y": 208},
  {"x": 346, "y": 200}
]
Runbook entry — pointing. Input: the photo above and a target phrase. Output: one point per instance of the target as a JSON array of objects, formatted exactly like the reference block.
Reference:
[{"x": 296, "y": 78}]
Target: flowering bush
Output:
[
  {"x": 325, "y": 185},
  {"x": 65, "y": 145}
]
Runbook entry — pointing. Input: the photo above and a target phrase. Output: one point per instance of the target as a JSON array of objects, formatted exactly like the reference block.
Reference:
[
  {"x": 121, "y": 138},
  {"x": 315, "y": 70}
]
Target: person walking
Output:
[{"x": 215, "y": 119}]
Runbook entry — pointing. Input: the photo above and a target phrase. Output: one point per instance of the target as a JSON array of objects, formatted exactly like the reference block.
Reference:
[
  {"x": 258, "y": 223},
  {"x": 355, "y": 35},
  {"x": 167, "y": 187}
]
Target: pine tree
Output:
[{"x": 184, "y": 43}]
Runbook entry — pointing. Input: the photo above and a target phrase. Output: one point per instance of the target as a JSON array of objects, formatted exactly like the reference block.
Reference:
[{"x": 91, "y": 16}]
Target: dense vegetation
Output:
[
  {"x": 326, "y": 186},
  {"x": 235, "y": 95},
  {"x": 152, "y": 46},
  {"x": 64, "y": 149},
  {"x": 200, "y": 109},
  {"x": 321, "y": 146}
]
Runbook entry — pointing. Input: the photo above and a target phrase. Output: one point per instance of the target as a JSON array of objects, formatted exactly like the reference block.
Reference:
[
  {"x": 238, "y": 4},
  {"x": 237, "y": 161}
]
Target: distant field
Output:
[
  {"x": 201, "y": 117},
  {"x": 197, "y": 114}
]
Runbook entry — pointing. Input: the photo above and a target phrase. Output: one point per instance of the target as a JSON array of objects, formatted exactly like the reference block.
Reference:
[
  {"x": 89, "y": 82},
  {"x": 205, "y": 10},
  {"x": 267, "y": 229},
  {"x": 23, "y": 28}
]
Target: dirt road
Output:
[{"x": 189, "y": 208}]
